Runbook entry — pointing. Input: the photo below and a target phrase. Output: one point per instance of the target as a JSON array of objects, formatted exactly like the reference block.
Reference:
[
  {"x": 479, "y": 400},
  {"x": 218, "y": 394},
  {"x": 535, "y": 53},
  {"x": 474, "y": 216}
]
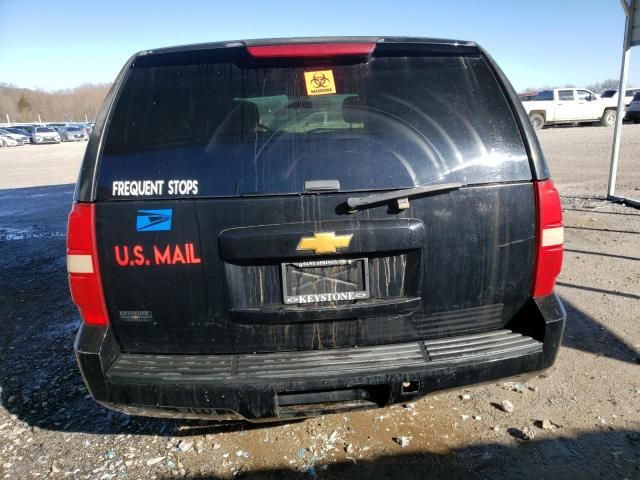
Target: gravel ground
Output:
[
  {"x": 579, "y": 158},
  {"x": 579, "y": 420},
  {"x": 37, "y": 165}
]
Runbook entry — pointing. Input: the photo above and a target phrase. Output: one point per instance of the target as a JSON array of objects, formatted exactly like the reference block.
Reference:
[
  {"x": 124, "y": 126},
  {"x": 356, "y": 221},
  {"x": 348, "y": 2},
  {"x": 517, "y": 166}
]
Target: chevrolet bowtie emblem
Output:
[{"x": 325, "y": 242}]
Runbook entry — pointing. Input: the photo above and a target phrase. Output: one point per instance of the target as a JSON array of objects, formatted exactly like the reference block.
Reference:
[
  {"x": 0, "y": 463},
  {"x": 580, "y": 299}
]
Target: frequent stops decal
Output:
[
  {"x": 136, "y": 256},
  {"x": 320, "y": 82},
  {"x": 146, "y": 188}
]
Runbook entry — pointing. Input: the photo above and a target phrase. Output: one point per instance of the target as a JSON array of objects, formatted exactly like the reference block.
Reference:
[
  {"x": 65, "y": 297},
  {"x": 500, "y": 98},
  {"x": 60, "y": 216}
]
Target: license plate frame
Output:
[{"x": 324, "y": 297}]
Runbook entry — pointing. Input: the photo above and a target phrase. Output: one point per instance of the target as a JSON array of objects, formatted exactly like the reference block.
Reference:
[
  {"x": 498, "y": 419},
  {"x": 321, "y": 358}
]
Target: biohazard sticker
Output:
[{"x": 320, "y": 82}]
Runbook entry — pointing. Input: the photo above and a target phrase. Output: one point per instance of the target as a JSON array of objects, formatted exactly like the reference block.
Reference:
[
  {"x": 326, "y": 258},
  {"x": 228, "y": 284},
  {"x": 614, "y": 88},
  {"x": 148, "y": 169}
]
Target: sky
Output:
[{"x": 61, "y": 44}]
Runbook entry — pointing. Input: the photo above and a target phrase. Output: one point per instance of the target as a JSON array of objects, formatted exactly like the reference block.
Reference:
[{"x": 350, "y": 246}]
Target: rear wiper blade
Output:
[{"x": 402, "y": 195}]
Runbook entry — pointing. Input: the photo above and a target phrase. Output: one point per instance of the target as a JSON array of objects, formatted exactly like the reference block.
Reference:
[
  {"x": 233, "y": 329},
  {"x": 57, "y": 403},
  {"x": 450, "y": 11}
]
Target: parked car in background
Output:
[
  {"x": 63, "y": 125},
  {"x": 613, "y": 95},
  {"x": 26, "y": 128},
  {"x": 7, "y": 141},
  {"x": 58, "y": 127},
  {"x": 45, "y": 135},
  {"x": 86, "y": 127},
  {"x": 570, "y": 105},
  {"x": 20, "y": 131},
  {"x": 72, "y": 133},
  {"x": 633, "y": 112},
  {"x": 21, "y": 138}
]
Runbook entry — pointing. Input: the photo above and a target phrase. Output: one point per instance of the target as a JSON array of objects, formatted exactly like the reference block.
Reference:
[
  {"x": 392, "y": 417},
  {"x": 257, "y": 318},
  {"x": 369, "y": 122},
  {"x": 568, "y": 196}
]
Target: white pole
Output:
[
  {"x": 8, "y": 120},
  {"x": 622, "y": 86},
  {"x": 39, "y": 119}
]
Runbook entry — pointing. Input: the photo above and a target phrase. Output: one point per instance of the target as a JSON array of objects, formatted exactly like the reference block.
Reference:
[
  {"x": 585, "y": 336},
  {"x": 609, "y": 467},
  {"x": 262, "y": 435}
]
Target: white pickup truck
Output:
[{"x": 570, "y": 105}]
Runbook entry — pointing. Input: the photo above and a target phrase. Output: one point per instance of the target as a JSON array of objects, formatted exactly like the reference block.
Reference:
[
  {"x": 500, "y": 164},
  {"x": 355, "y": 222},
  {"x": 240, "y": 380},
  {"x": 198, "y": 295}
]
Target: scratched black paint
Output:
[
  {"x": 476, "y": 249},
  {"x": 453, "y": 263}
]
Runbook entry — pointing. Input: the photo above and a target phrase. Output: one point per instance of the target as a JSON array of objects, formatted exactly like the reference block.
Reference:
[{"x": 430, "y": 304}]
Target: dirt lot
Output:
[
  {"x": 49, "y": 427},
  {"x": 38, "y": 165}
]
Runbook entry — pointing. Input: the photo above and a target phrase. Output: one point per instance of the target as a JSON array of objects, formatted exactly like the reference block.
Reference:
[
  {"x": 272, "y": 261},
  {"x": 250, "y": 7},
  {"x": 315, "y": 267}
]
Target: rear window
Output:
[
  {"x": 609, "y": 93},
  {"x": 392, "y": 122},
  {"x": 544, "y": 95},
  {"x": 566, "y": 95}
]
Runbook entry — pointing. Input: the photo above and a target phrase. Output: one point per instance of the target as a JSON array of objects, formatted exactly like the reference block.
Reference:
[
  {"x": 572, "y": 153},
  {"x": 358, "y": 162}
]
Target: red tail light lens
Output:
[
  {"x": 550, "y": 238},
  {"x": 311, "y": 50},
  {"x": 82, "y": 265}
]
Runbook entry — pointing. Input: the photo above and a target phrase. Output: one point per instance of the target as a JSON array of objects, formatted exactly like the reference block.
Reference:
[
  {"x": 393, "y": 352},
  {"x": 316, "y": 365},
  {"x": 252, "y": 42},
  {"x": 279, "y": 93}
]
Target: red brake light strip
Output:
[{"x": 311, "y": 50}]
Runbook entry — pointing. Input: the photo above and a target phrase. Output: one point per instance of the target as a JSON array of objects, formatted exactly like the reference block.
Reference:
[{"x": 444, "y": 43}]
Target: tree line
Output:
[
  {"x": 598, "y": 87},
  {"x": 83, "y": 102},
  {"x": 75, "y": 104}
]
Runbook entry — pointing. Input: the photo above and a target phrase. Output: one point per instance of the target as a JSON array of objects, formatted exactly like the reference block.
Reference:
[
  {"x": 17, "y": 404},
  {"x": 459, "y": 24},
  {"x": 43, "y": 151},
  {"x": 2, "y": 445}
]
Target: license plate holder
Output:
[{"x": 320, "y": 281}]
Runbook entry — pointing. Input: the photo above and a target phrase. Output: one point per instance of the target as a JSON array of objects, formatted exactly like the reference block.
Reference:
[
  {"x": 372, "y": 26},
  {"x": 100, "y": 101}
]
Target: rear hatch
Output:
[{"x": 227, "y": 183}]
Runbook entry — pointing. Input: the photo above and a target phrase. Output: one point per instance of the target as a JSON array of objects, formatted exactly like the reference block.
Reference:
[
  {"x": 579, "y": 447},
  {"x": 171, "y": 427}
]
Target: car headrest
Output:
[
  {"x": 241, "y": 121},
  {"x": 352, "y": 110},
  {"x": 245, "y": 116}
]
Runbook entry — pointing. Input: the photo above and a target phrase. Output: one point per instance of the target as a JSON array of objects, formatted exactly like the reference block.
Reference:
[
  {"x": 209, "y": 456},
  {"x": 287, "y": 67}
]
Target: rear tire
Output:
[
  {"x": 608, "y": 118},
  {"x": 537, "y": 120}
]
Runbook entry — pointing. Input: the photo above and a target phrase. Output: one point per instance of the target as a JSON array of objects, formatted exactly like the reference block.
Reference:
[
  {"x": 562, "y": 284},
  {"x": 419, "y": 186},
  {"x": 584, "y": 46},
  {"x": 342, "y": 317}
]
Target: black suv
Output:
[{"x": 281, "y": 228}]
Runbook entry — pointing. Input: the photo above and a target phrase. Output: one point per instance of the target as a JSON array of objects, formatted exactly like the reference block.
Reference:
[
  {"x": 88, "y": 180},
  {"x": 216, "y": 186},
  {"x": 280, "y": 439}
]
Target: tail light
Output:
[
  {"x": 311, "y": 50},
  {"x": 82, "y": 265},
  {"x": 550, "y": 237}
]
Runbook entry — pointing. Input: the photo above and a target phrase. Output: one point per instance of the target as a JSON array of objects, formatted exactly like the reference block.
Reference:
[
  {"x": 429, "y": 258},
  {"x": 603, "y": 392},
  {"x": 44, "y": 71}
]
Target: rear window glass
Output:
[
  {"x": 544, "y": 95},
  {"x": 608, "y": 93},
  {"x": 565, "y": 94},
  {"x": 392, "y": 122}
]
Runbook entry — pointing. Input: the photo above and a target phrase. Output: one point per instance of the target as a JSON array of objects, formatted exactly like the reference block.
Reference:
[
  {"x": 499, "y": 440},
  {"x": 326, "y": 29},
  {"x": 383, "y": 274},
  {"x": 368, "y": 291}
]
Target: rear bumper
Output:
[{"x": 286, "y": 385}]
